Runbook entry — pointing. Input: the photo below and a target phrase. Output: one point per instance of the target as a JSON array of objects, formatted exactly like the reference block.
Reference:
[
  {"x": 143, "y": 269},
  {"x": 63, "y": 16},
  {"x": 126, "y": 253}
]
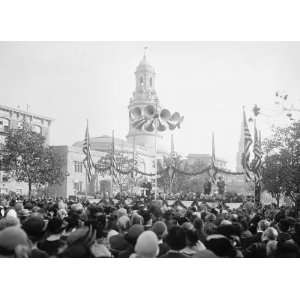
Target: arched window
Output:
[
  {"x": 4, "y": 124},
  {"x": 37, "y": 129},
  {"x": 141, "y": 81}
]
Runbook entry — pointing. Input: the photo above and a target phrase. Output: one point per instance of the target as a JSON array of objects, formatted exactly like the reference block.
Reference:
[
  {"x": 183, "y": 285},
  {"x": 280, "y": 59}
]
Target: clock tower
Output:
[{"x": 144, "y": 95}]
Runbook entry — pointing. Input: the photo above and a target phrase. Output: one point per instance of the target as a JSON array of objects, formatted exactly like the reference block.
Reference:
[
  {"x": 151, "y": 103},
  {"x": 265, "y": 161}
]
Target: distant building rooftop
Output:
[{"x": 17, "y": 110}]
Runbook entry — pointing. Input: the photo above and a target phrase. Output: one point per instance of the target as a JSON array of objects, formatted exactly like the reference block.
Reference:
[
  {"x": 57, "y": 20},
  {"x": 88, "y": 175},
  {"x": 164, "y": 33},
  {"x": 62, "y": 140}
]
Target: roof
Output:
[
  {"x": 104, "y": 142},
  {"x": 17, "y": 110}
]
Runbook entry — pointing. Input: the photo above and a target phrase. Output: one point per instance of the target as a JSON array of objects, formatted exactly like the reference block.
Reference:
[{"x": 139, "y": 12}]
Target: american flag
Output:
[
  {"x": 257, "y": 161},
  {"x": 88, "y": 162},
  {"x": 213, "y": 171},
  {"x": 113, "y": 166},
  {"x": 247, "y": 144}
]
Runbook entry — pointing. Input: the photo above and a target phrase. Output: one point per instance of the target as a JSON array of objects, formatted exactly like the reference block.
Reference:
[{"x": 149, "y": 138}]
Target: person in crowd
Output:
[
  {"x": 161, "y": 231},
  {"x": 142, "y": 227},
  {"x": 14, "y": 243},
  {"x": 193, "y": 244},
  {"x": 53, "y": 241},
  {"x": 35, "y": 227},
  {"x": 146, "y": 245},
  {"x": 176, "y": 240}
]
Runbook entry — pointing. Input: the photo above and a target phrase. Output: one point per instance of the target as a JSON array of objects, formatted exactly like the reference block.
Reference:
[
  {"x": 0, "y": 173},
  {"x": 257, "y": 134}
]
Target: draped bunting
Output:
[
  {"x": 160, "y": 172},
  {"x": 191, "y": 173},
  {"x": 228, "y": 172},
  {"x": 179, "y": 203}
]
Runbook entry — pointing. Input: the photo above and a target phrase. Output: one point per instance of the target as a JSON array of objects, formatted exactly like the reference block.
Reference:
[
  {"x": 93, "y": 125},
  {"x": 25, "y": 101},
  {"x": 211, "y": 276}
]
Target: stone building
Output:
[{"x": 13, "y": 118}]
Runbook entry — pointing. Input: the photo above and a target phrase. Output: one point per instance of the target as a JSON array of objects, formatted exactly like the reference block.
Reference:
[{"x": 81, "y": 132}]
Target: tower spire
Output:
[{"x": 145, "y": 51}]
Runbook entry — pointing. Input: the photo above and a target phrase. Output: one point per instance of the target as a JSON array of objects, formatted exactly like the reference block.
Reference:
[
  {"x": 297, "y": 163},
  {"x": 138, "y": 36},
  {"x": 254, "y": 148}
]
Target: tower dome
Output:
[{"x": 145, "y": 66}]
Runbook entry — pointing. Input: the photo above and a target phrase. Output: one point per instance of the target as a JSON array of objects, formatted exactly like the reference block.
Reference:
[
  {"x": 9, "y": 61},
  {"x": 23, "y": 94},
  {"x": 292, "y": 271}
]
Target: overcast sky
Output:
[{"x": 207, "y": 82}]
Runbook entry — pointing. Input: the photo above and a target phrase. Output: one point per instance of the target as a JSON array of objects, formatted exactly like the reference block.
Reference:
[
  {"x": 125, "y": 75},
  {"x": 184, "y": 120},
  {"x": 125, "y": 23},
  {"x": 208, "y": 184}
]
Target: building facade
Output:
[
  {"x": 138, "y": 144},
  {"x": 13, "y": 118},
  {"x": 75, "y": 183}
]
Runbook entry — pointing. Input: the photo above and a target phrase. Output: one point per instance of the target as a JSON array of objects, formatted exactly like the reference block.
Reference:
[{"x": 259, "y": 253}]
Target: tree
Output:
[
  {"x": 182, "y": 182},
  {"x": 27, "y": 158},
  {"x": 166, "y": 179},
  {"x": 281, "y": 167},
  {"x": 123, "y": 163}
]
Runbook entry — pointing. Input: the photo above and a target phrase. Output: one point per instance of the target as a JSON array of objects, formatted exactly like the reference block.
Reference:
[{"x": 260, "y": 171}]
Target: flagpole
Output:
[
  {"x": 155, "y": 157},
  {"x": 255, "y": 176},
  {"x": 133, "y": 165},
  {"x": 172, "y": 156},
  {"x": 257, "y": 179},
  {"x": 155, "y": 161},
  {"x": 112, "y": 153},
  {"x": 86, "y": 179},
  {"x": 260, "y": 174}
]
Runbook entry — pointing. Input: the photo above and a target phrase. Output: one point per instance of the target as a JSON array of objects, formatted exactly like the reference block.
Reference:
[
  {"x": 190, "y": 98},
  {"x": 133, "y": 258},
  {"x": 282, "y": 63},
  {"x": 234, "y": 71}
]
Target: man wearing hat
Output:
[
  {"x": 53, "y": 242},
  {"x": 35, "y": 227}
]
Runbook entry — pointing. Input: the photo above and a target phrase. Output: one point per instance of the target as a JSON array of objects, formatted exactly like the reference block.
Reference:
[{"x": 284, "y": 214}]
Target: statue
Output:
[
  {"x": 207, "y": 187},
  {"x": 221, "y": 186}
]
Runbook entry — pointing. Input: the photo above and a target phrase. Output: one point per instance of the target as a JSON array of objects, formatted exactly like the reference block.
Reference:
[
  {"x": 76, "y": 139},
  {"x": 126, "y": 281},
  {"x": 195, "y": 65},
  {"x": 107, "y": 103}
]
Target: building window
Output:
[
  {"x": 78, "y": 166},
  {"x": 4, "y": 125},
  {"x": 78, "y": 186},
  {"x": 151, "y": 81},
  {"x": 141, "y": 81},
  {"x": 37, "y": 129},
  {"x": 5, "y": 178}
]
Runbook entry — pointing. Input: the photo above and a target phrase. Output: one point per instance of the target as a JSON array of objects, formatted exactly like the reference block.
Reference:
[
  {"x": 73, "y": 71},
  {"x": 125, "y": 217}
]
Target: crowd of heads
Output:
[{"x": 49, "y": 228}]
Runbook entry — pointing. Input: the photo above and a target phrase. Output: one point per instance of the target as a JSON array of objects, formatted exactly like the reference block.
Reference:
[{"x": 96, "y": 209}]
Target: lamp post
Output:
[{"x": 153, "y": 119}]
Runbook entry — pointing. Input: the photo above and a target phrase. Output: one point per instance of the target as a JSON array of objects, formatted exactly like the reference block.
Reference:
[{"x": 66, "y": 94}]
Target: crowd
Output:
[{"x": 47, "y": 228}]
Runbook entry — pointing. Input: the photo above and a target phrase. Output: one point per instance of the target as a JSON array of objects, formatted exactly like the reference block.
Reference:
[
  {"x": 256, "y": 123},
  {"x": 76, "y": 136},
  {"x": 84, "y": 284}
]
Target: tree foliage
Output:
[
  {"x": 181, "y": 182},
  {"x": 281, "y": 168},
  {"x": 123, "y": 162},
  {"x": 27, "y": 158}
]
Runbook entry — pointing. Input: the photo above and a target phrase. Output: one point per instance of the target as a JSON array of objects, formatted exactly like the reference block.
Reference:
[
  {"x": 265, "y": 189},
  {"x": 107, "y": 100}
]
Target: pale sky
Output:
[{"x": 207, "y": 82}]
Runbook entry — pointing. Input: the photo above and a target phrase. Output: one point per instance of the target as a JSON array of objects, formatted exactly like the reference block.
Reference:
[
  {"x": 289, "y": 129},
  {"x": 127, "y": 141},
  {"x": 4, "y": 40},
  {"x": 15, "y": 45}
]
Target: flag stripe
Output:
[
  {"x": 113, "y": 169},
  {"x": 213, "y": 174},
  {"x": 247, "y": 144},
  {"x": 87, "y": 162},
  {"x": 257, "y": 161}
]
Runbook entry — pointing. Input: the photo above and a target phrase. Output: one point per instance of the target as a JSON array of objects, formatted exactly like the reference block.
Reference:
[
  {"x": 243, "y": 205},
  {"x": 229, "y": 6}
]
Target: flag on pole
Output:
[
  {"x": 113, "y": 167},
  {"x": 134, "y": 164},
  {"x": 257, "y": 161},
  {"x": 87, "y": 162},
  {"x": 213, "y": 171},
  {"x": 247, "y": 144}
]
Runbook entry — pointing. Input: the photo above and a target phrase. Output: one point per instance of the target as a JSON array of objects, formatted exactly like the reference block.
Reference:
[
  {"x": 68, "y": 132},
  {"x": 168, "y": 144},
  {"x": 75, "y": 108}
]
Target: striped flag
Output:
[
  {"x": 87, "y": 162},
  {"x": 247, "y": 144},
  {"x": 257, "y": 161},
  {"x": 113, "y": 166},
  {"x": 213, "y": 171}
]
